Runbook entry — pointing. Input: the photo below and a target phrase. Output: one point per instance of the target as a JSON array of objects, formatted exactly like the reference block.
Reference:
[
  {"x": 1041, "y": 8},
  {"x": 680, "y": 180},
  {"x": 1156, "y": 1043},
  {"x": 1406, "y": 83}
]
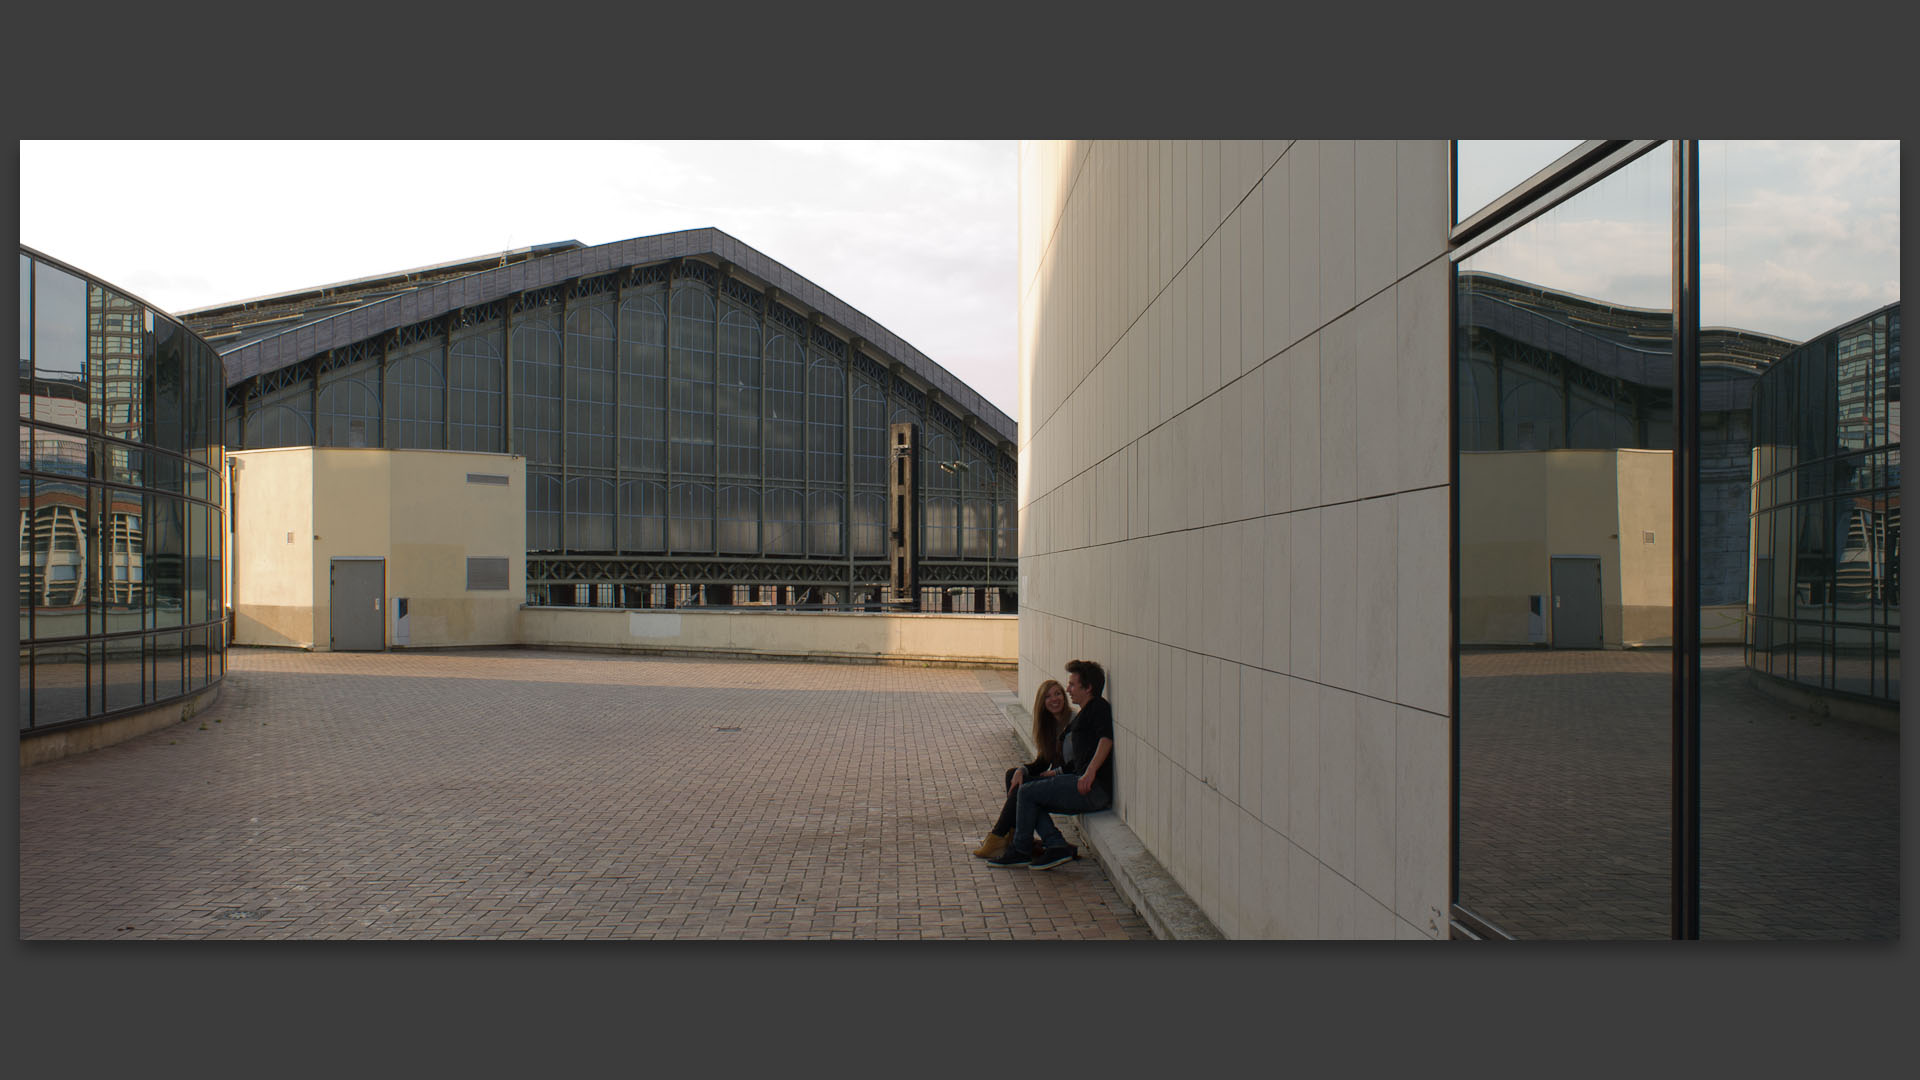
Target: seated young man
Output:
[{"x": 1085, "y": 786}]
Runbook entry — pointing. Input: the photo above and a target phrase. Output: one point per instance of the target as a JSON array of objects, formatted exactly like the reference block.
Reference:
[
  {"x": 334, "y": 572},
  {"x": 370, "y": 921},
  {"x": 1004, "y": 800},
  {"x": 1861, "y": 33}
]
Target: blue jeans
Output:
[{"x": 1040, "y": 799}]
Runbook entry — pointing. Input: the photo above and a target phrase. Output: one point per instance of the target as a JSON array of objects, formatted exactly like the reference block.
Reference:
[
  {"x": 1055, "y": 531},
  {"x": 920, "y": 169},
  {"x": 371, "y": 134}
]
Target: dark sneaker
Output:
[
  {"x": 1052, "y": 857},
  {"x": 1011, "y": 858}
]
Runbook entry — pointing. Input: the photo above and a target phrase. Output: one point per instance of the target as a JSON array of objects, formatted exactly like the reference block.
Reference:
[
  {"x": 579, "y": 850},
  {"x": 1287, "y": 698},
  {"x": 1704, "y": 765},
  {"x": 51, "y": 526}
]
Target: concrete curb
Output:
[{"x": 1169, "y": 912}]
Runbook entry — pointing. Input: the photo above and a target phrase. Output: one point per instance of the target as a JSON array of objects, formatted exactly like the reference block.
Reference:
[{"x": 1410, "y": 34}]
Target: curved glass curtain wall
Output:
[
  {"x": 121, "y": 584},
  {"x": 681, "y": 415}
]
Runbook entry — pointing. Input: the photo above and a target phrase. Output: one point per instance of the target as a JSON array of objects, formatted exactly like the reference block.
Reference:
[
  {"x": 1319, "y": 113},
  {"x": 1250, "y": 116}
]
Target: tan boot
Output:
[{"x": 991, "y": 846}]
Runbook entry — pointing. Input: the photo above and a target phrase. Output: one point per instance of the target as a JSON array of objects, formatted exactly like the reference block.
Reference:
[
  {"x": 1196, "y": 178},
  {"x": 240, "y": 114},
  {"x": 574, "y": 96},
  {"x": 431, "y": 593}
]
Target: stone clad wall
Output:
[{"x": 1233, "y": 493}]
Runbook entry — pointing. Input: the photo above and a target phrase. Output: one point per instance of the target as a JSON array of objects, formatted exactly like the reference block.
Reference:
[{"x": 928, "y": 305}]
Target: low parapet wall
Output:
[{"x": 974, "y": 640}]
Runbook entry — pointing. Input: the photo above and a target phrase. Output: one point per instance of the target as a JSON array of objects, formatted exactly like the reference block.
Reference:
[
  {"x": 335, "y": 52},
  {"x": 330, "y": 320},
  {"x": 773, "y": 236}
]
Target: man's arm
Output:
[{"x": 1100, "y": 754}]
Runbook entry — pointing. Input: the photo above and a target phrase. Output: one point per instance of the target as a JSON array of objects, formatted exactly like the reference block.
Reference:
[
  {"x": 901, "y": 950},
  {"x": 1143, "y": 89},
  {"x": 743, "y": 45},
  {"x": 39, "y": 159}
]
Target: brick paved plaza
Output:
[
  {"x": 1565, "y": 803},
  {"x": 492, "y": 794}
]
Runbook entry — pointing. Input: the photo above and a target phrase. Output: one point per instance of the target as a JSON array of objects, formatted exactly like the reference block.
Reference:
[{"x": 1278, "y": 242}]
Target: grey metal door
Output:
[
  {"x": 1576, "y": 603},
  {"x": 357, "y": 622}
]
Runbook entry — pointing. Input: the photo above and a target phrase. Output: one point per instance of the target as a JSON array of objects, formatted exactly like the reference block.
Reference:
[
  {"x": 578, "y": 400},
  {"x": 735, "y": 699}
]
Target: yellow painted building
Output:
[{"x": 298, "y": 513}]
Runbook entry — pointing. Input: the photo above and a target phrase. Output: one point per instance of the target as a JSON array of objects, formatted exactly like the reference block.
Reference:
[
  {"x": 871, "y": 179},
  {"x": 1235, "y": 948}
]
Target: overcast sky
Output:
[{"x": 920, "y": 236}]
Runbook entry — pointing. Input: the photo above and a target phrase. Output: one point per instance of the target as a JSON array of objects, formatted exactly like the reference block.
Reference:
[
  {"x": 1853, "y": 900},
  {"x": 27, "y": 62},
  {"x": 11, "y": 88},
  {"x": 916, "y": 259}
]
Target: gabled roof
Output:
[{"x": 271, "y": 332}]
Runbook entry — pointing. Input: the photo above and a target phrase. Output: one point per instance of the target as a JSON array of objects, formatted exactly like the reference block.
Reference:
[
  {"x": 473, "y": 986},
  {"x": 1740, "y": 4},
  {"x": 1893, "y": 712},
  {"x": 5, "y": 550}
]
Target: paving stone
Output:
[{"x": 544, "y": 794}]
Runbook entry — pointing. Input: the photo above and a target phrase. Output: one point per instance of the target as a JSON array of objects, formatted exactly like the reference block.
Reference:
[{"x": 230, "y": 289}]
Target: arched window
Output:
[
  {"x": 785, "y": 514},
  {"x": 589, "y": 386},
  {"x": 824, "y": 528},
  {"x": 589, "y": 513},
  {"x": 543, "y": 511},
  {"x": 349, "y": 410},
  {"x": 286, "y": 423},
  {"x": 869, "y": 434},
  {"x": 690, "y": 518},
  {"x": 643, "y": 516},
  {"x": 1007, "y": 512},
  {"x": 976, "y": 510},
  {"x": 690, "y": 382},
  {"x": 869, "y": 524},
  {"x": 939, "y": 491},
  {"x": 739, "y": 520},
  {"x": 786, "y": 409},
  {"x": 416, "y": 397},
  {"x": 643, "y": 383},
  {"x": 738, "y": 406},
  {"x": 826, "y": 424},
  {"x": 536, "y": 386},
  {"x": 478, "y": 392}
]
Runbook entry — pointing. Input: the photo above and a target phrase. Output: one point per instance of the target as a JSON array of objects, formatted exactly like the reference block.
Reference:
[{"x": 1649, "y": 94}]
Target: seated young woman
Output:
[{"x": 1051, "y": 714}]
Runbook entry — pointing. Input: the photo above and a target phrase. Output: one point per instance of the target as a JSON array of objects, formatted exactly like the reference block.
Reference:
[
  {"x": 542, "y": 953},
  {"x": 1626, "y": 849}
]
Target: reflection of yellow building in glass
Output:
[{"x": 1566, "y": 429}]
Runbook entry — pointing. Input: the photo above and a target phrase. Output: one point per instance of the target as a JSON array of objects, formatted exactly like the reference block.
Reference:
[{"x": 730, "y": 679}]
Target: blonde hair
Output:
[{"x": 1047, "y": 728}]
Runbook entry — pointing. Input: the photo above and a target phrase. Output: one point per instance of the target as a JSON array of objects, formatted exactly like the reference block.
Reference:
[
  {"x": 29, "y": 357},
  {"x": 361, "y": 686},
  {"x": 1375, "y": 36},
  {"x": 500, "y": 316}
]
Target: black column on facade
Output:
[
  {"x": 1686, "y": 539},
  {"x": 903, "y": 514}
]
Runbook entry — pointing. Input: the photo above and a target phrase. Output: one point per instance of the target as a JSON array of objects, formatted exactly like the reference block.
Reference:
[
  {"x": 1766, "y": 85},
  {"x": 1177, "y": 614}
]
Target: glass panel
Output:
[
  {"x": 823, "y": 522},
  {"x": 589, "y": 386},
  {"x": 30, "y": 571},
  {"x": 739, "y": 394},
  {"x": 168, "y": 662},
  {"x": 26, "y": 681},
  {"x": 282, "y": 418},
  {"x": 690, "y": 388},
  {"x": 690, "y": 518},
  {"x": 26, "y": 342},
  {"x": 166, "y": 539},
  {"x": 826, "y": 425},
  {"x": 543, "y": 510},
  {"x": 349, "y": 408},
  {"x": 478, "y": 393},
  {"x": 1800, "y": 271},
  {"x": 739, "y": 520},
  {"x": 536, "y": 387},
  {"x": 199, "y": 602},
  {"x": 124, "y": 678},
  {"x": 1565, "y": 669},
  {"x": 59, "y": 683},
  {"x": 784, "y": 515},
  {"x": 1489, "y": 168},
  {"x": 55, "y": 554},
  {"x": 869, "y": 524},
  {"x": 196, "y": 673},
  {"x": 121, "y": 350},
  {"x": 643, "y": 384},
  {"x": 643, "y": 516},
  {"x": 96, "y": 678},
  {"x": 416, "y": 399},
  {"x": 590, "y": 514},
  {"x": 59, "y": 347},
  {"x": 786, "y": 408},
  {"x": 123, "y": 568}
]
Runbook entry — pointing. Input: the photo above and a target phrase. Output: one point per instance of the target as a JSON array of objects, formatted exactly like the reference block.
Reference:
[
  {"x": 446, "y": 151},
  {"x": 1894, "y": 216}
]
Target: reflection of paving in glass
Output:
[{"x": 1565, "y": 803}]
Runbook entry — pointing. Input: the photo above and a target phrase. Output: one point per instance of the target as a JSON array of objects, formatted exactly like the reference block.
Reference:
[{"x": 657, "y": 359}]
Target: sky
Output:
[
  {"x": 919, "y": 236},
  {"x": 1796, "y": 237}
]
